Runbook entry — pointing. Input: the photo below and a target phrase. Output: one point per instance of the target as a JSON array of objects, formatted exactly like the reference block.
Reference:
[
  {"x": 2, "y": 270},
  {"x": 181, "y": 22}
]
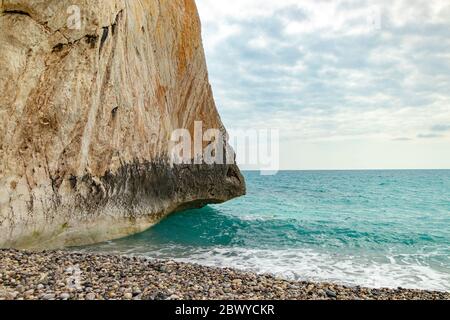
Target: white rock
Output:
[{"x": 86, "y": 116}]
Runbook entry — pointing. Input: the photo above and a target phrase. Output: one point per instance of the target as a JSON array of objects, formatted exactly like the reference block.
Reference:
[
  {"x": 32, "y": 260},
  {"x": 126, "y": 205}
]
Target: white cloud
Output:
[
  {"x": 334, "y": 71},
  {"x": 260, "y": 42}
]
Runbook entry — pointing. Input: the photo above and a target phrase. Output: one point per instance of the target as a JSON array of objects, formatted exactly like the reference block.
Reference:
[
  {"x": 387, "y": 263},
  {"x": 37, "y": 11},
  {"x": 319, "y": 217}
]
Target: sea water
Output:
[{"x": 368, "y": 228}]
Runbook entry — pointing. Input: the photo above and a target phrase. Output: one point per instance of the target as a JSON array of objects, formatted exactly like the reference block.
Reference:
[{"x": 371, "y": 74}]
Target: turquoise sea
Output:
[{"x": 368, "y": 228}]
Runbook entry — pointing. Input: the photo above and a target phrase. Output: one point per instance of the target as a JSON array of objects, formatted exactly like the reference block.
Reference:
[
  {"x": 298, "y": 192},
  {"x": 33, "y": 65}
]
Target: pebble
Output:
[
  {"x": 237, "y": 282},
  {"x": 28, "y": 293},
  {"x": 128, "y": 296},
  {"x": 331, "y": 294},
  {"x": 49, "y": 296},
  {"x": 90, "y": 296},
  {"x": 64, "y": 296},
  {"x": 47, "y": 275}
]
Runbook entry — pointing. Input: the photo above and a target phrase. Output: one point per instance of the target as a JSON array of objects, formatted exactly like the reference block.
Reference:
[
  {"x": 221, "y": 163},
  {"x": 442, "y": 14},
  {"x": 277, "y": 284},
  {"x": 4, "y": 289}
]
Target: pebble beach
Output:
[{"x": 63, "y": 275}]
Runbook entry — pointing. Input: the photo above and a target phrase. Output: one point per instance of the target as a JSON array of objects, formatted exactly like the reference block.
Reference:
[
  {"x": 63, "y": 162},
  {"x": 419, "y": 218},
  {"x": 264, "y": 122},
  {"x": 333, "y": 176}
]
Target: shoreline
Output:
[{"x": 68, "y": 275}]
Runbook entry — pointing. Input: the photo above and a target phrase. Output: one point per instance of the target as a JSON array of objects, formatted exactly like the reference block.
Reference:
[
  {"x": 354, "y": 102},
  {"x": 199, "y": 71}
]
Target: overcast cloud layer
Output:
[{"x": 350, "y": 84}]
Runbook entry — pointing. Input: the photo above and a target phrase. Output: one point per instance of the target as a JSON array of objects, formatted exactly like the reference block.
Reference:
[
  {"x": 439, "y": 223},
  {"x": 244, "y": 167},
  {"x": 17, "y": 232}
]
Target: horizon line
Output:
[{"x": 387, "y": 169}]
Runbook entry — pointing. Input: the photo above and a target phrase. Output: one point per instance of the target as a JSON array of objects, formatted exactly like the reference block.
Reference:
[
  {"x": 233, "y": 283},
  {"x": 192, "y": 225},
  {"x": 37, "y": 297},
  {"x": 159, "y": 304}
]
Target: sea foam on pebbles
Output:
[{"x": 62, "y": 275}]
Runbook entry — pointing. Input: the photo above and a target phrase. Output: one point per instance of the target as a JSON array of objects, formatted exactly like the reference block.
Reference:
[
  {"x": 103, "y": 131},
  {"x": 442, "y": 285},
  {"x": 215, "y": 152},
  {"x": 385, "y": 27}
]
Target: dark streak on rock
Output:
[
  {"x": 73, "y": 182},
  {"x": 104, "y": 37},
  {"x": 91, "y": 40},
  {"x": 116, "y": 21},
  {"x": 142, "y": 185},
  {"x": 58, "y": 48},
  {"x": 114, "y": 111},
  {"x": 18, "y": 12},
  {"x": 113, "y": 28}
]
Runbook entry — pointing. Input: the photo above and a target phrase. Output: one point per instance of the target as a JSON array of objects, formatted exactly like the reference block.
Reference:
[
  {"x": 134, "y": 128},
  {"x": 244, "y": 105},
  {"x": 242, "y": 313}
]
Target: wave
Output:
[
  {"x": 294, "y": 249},
  {"x": 392, "y": 271},
  {"x": 309, "y": 265},
  {"x": 374, "y": 229}
]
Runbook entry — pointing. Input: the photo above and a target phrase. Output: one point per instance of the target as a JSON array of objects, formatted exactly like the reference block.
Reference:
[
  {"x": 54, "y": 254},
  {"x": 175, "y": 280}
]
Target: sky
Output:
[{"x": 349, "y": 84}]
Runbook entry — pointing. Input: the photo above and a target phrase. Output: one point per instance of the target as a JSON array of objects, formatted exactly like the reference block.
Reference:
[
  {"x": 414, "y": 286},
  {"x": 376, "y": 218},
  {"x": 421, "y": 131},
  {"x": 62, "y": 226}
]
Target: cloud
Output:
[
  {"x": 440, "y": 128},
  {"x": 331, "y": 70},
  {"x": 429, "y": 136}
]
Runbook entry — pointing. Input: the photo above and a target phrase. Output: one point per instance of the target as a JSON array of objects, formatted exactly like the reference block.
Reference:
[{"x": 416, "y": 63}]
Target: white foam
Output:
[{"x": 320, "y": 267}]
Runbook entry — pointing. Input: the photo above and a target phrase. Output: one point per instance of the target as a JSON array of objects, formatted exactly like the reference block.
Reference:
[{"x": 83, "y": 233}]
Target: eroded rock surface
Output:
[{"x": 86, "y": 115}]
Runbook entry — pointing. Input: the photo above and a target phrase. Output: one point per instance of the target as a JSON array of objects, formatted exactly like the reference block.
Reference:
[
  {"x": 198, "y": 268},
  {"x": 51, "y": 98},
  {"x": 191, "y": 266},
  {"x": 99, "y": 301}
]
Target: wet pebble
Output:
[{"x": 64, "y": 275}]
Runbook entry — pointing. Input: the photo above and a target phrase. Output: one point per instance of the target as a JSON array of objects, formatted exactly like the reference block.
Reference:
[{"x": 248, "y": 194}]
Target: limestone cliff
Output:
[{"x": 86, "y": 112}]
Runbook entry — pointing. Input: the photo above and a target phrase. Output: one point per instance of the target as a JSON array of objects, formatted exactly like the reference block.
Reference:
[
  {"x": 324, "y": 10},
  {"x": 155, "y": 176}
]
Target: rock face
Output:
[{"x": 86, "y": 114}]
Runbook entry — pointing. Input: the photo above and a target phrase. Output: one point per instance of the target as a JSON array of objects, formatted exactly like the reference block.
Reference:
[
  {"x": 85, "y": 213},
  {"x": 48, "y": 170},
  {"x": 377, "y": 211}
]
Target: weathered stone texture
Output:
[{"x": 86, "y": 116}]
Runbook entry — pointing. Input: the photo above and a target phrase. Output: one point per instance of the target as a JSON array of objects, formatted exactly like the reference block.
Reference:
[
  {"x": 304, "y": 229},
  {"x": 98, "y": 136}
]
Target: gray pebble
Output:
[
  {"x": 31, "y": 275},
  {"x": 90, "y": 296},
  {"x": 48, "y": 296},
  {"x": 64, "y": 296},
  {"x": 331, "y": 294}
]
